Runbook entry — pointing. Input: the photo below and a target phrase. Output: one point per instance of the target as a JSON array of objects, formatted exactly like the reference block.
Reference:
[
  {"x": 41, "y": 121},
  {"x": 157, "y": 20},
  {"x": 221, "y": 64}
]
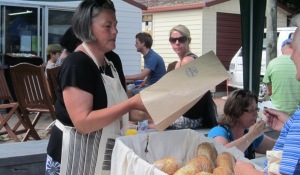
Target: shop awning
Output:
[{"x": 253, "y": 19}]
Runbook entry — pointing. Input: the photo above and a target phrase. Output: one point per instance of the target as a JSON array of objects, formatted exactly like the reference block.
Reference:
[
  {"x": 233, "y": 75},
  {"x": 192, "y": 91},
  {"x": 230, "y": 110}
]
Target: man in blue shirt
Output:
[{"x": 154, "y": 66}]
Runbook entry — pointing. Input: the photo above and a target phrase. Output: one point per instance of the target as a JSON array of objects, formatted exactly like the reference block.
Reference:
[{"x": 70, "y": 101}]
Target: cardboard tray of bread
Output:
[{"x": 151, "y": 153}]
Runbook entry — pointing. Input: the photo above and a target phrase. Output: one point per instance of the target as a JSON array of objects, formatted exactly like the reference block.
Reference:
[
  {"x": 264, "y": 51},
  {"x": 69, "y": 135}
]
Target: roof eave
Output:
[
  {"x": 136, "y": 4},
  {"x": 291, "y": 12},
  {"x": 199, "y": 5},
  {"x": 176, "y": 7},
  {"x": 214, "y": 2}
]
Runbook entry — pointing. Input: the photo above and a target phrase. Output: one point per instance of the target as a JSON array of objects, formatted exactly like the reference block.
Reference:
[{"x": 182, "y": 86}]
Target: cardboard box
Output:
[{"x": 134, "y": 155}]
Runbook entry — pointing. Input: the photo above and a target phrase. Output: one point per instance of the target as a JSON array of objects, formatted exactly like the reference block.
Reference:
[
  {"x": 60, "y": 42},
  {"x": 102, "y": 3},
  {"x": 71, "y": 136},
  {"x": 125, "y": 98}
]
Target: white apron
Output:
[{"x": 90, "y": 154}]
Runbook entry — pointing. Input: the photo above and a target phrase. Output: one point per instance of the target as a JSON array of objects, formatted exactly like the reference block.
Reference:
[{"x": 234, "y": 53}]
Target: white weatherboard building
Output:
[
  {"x": 29, "y": 26},
  {"x": 214, "y": 25}
]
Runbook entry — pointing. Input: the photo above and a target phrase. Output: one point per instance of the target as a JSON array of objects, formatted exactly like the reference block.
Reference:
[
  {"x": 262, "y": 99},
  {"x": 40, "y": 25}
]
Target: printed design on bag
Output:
[
  {"x": 191, "y": 71},
  {"x": 108, "y": 152}
]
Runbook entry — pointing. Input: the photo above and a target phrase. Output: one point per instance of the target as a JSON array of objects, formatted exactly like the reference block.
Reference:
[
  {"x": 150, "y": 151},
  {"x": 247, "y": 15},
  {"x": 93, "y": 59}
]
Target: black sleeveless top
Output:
[
  {"x": 205, "y": 108},
  {"x": 197, "y": 110}
]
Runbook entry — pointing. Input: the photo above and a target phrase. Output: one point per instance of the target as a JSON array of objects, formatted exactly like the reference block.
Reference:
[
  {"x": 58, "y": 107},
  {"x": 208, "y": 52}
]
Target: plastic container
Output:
[
  {"x": 131, "y": 132},
  {"x": 143, "y": 126}
]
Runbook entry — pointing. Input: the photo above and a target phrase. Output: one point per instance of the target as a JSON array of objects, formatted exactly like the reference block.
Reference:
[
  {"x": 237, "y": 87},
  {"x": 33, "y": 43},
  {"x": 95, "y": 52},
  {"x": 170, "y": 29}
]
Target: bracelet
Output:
[{"x": 246, "y": 140}]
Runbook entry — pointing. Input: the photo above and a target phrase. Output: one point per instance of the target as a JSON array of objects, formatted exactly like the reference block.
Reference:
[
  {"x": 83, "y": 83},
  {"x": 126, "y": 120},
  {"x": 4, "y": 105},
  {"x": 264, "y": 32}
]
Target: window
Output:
[
  {"x": 59, "y": 22},
  {"x": 20, "y": 29}
]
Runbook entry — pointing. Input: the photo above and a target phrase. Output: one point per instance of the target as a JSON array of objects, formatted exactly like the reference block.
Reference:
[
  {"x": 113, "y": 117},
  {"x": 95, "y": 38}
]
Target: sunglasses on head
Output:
[
  {"x": 102, "y": 3},
  {"x": 181, "y": 39}
]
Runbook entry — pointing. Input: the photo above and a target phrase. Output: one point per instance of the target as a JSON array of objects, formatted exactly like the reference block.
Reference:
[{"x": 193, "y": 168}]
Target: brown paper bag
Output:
[{"x": 182, "y": 88}]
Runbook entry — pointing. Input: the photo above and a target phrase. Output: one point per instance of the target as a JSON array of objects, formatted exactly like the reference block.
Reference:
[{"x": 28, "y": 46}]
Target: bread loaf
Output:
[
  {"x": 168, "y": 165},
  {"x": 222, "y": 171},
  {"x": 197, "y": 164},
  {"x": 207, "y": 149},
  {"x": 203, "y": 173},
  {"x": 226, "y": 159}
]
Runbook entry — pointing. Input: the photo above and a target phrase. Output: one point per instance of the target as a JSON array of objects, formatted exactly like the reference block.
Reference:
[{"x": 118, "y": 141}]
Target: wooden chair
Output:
[
  {"x": 52, "y": 81},
  {"x": 13, "y": 108},
  {"x": 32, "y": 90}
]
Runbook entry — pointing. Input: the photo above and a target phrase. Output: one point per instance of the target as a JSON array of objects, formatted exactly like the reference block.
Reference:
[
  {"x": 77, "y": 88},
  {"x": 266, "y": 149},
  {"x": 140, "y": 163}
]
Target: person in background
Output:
[
  {"x": 203, "y": 113},
  {"x": 289, "y": 138},
  {"x": 282, "y": 87},
  {"x": 53, "y": 52},
  {"x": 69, "y": 42},
  {"x": 154, "y": 65},
  {"x": 238, "y": 126},
  {"x": 180, "y": 41},
  {"x": 92, "y": 103}
]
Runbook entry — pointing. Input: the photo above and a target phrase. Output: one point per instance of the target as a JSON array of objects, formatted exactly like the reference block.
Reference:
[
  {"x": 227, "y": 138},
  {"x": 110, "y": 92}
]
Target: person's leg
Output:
[
  {"x": 52, "y": 167},
  {"x": 185, "y": 123},
  {"x": 129, "y": 94},
  {"x": 136, "y": 116},
  {"x": 135, "y": 91}
]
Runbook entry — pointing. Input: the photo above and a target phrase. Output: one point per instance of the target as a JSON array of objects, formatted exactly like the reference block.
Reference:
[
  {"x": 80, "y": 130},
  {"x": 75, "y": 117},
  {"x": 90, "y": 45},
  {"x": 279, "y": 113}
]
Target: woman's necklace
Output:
[{"x": 102, "y": 68}]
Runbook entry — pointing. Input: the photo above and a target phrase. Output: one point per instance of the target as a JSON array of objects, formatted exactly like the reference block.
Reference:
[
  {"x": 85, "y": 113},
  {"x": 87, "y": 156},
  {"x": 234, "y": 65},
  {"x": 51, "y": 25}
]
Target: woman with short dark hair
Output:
[{"x": 92, "y": 106}]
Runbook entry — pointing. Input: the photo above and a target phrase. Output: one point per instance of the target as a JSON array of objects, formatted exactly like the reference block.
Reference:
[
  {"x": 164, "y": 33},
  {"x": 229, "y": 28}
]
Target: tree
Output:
[{"x": 271, "y": 37}]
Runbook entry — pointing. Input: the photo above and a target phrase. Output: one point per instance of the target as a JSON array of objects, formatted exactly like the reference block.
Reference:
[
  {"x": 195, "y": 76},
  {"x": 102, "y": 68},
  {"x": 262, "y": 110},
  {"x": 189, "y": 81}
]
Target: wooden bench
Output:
[{"x": 23, "y": 157}]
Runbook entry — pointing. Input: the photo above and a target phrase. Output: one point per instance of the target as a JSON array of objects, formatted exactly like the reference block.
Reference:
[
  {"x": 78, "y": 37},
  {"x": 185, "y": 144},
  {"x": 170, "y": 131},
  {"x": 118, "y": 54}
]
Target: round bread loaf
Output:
[
  {"x": 222, "y": 171},
  {"x": 196, "y": 165},
  {"x": 207, "y": 149},
  {"x": 203, "y": 173},
  {"x": 226, "y": 159},
  {"x": 168, "y": 165}
]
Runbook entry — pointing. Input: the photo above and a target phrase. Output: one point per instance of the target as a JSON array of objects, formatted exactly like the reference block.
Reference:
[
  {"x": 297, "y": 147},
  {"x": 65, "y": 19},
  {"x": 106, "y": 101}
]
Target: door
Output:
[{"x": 229, "y": 40}]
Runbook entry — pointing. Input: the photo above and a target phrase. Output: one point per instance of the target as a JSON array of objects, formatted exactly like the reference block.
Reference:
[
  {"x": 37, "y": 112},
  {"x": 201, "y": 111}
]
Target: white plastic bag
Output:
[{"x": 274, "y": 158}]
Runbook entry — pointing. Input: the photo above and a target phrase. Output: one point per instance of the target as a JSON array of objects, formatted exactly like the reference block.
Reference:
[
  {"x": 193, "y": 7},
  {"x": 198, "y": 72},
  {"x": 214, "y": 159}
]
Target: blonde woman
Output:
[{"x": 200, "y": 114}]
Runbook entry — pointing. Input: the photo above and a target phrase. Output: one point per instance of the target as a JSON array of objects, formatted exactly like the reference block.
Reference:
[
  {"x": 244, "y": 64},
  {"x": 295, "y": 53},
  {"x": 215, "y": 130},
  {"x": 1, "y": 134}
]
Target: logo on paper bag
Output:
[{"x": 191, "y": 72}]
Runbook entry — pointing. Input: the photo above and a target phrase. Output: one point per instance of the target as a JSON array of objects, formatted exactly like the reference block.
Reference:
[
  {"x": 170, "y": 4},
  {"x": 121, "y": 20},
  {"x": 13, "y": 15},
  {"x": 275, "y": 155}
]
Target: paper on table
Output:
[{"x": 182, "y": 88}]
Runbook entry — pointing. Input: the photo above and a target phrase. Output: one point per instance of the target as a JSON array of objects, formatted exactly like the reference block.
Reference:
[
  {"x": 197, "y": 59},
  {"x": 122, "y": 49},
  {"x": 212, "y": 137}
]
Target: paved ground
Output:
[{"x": 45, "y": 120}]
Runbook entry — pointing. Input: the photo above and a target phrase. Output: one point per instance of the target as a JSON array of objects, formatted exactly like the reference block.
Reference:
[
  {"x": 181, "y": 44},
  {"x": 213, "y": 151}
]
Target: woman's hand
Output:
[
  {"x": 275, "y": 119},
  {"x": 257, "y": 129},
  {"x": 137, "y": 103},
  {"x": 139, "y": 111}
]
